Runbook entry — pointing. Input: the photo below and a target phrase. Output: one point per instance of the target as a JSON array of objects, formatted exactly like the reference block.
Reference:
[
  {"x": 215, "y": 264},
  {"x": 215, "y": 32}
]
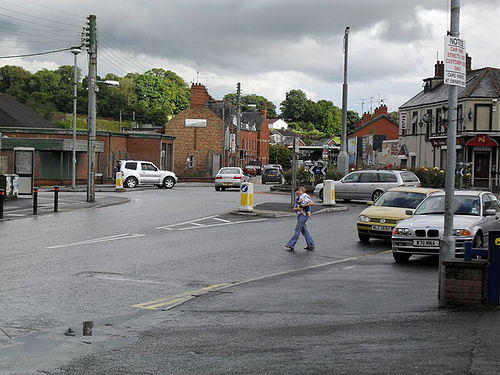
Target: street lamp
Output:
[{"x": 75, "y": 51}]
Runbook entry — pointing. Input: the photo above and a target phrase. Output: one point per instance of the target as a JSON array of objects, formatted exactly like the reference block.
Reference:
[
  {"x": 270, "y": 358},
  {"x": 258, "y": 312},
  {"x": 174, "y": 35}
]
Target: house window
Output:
[
  {"x": 482, "y": 117},
  {"x": 414, "y": 122},
  {"x": 460, "y": 118},
  {"x": 190, "y": 161},
  {"x": 428, "y": 125},
  {"x": 439, "y": 120}
]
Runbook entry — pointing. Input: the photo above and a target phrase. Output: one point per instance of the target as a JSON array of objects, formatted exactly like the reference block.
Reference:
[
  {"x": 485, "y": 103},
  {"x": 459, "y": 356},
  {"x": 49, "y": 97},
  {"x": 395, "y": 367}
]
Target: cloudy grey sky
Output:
[{"x": 270, "y": 46}]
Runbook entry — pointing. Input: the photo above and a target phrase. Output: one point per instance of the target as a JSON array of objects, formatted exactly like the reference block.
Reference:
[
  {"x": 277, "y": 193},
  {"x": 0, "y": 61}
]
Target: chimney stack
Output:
[
  {"x": 439, "y": 69},
  {"x": 468, "y": 63}
]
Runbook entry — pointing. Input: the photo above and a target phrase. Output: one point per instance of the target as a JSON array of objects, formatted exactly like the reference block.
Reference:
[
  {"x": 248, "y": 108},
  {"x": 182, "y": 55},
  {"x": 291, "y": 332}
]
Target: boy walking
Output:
[{"x": 302, "y": 207}]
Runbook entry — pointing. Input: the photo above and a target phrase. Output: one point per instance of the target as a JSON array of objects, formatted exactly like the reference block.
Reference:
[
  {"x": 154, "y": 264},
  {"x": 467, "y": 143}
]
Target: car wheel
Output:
[
  {"x": 131, "y": 182},
  {"x": 217, "y": 188},
  {"x": 478, "y": 241},
  {"x": 377, "y": 194},
  {"x": 401, "y": 257},
  {"x": 364, "y": 238},
  {"x": 159, "y": 186},
  {"x": 223, "y": 188},
  {"x": 320, "y": 195},
  {"x": 263, "y": 182},
  {"x": 168, "y": 182}
]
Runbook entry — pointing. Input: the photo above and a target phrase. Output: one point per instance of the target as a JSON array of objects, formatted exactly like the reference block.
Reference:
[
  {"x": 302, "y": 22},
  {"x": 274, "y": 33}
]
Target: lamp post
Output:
[
  {"x": 75, "y": 51},
  {"x": 343, "y": 157}
]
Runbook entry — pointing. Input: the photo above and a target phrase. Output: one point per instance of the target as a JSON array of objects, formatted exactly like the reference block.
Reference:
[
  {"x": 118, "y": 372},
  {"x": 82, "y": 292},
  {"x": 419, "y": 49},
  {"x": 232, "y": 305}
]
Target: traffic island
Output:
[{"x": 279, "y": 209}]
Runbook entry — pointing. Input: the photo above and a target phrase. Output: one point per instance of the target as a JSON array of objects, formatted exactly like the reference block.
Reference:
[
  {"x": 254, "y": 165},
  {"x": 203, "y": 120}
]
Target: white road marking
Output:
[
  {"x": 97, "y": 240},
  {"x": 195, "y": 224},
  {"x": 186, "y": 222},
  {"x": 221, "y": 224}
]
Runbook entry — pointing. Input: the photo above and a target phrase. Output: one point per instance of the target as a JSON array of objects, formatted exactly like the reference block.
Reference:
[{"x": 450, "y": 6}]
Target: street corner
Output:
[{"x": 279, "y": 209}]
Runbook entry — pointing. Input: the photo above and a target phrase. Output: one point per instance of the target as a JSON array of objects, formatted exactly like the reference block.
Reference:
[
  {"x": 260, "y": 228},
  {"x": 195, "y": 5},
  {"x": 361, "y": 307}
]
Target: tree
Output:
[
  {"x": 252, "y": 103},
  {"x": 394, "y": 116},
  {"x": 279, "y": 154},
  {"x": 352, "y": 118},
  {"x": 294, "y": 107},
  {"x": 13, "y": 79},
  {"x": 326, "y": 117}
]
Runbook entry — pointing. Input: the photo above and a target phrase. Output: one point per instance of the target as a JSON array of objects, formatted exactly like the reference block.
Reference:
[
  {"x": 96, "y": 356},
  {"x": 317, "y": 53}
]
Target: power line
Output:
[
  {"x": 38, "y": 18},
  {"x": 54, "y": 9},
  {"x": 37, "y": 54}
]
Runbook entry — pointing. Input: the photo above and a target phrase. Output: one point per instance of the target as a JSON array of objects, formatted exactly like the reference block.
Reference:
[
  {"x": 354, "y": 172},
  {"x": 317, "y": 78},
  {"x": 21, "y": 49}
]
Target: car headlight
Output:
[
  {"x": 402, "y": 231},
  {"x": 461, "y": 232},
  {"x": 363, "y": 218}
]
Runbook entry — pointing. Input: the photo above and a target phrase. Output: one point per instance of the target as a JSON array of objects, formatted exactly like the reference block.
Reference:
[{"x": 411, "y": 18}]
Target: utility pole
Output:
[
  {"x": 238, "y": 123},
  {"x": 75, "y": 51},
  {"x": 294, "y": 169},
  {"x": 91, "y": 123},
  {"x": 343, "y": 158},
  {"x": 448, "y": 242}
]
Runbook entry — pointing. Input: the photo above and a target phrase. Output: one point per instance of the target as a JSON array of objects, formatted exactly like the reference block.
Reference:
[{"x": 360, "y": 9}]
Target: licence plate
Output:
[
  {"x": 425, "y": 242},
  {"x": 382, "y": 228},
  {"x": 227, "y": 183}
]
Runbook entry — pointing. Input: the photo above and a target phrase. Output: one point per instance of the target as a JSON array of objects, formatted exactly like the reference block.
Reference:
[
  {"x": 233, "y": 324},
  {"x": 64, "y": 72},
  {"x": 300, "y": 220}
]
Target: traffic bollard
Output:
[
  {"x": 56, "y": 198},
  {"x": 246, "y": 197},
  {"x": 2, "y": 196},
  {"x": 35, "y": 201}
]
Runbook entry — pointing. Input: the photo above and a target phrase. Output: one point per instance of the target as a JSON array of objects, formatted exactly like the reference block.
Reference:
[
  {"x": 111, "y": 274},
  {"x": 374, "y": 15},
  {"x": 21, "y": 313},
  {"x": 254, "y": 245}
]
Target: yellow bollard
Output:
[
  {"x": 329, "y": 193},
  {"x": 246, "y": 197},
  {"x": 119, "y": 181}
]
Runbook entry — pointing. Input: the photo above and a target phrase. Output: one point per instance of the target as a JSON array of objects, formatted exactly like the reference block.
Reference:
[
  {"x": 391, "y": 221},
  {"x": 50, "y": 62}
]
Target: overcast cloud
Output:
[{"x": 270, "y": 46}]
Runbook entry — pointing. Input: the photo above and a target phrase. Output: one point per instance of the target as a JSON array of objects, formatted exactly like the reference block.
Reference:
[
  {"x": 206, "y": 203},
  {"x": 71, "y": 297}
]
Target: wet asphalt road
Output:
[{"x": 131, "y": 268}]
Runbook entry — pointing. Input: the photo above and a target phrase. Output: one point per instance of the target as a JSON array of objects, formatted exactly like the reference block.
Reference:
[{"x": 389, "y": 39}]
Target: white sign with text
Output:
[{"x": 454, "y": 61}]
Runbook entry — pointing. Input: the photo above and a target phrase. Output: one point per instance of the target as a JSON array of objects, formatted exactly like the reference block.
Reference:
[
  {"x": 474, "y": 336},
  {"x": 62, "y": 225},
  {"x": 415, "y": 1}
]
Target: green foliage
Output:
[
  {"x": 352, "y": 118},
  {"x": 394, "y": 116},
  {"x": 252, "y": 103},
  {"x": 280, "y": 155},
  {"x": 154, "y": 95},
  {"x": 294, "y": 108},
  {"x": 304, "y": 177},
  {"x": 431, "y": 177}
]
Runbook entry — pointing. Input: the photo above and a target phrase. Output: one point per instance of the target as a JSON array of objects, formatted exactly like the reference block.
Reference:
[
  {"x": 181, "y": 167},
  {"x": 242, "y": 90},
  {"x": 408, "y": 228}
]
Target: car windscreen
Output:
[
  {"x": 229, "y": 171},
  {"x": 400, "y": 199},
  {"x": 462, "y": 205}
]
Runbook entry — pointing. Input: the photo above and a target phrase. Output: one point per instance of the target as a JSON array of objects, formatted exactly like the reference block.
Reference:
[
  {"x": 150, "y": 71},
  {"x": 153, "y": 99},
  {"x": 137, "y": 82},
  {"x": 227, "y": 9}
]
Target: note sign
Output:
[{"x": 196, "y": 122}]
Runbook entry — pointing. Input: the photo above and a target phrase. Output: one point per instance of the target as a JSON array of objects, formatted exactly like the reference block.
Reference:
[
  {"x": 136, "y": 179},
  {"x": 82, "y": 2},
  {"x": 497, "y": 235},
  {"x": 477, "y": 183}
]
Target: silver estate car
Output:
[
  {"x": 369, "y": 185},
  {"x": 230, "y": 177},
  {"x": 475, "y": 214}
]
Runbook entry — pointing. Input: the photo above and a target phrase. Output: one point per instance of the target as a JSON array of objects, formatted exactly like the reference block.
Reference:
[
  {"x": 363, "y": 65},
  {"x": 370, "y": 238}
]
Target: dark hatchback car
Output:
[{"x": 271, "y": 175}]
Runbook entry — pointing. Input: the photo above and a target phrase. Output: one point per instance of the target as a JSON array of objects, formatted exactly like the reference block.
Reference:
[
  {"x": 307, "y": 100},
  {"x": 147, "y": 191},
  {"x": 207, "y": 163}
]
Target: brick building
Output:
[
  {"x": 205, "y": 136},
  {"x": 51, "y": 147},
  {"x": 375, "y": 140}
]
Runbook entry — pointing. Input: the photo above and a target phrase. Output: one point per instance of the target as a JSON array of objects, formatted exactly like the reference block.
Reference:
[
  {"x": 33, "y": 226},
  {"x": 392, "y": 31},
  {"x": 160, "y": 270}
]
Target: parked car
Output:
[
  {"x": 378, "y": 220},
  {"x": 140, "y": 172},
  {"x": 274, "y": 166},
  {"x": 249, "y": 170},
  {"x": 229, "y": 177},
  {"x": 271, "y": 174},
  {"x": 369, "y": 184},
  {"x": 255, "y": 164},
  {"x": 475, "y": 213}
]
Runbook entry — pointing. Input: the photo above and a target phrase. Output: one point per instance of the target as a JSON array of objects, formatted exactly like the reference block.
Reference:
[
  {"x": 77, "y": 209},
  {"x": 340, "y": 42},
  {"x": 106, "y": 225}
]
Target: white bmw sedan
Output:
[{"x": 475, "y": 214}]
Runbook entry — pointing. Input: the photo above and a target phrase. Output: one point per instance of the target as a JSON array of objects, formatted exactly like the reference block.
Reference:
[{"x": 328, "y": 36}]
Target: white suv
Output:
[{"x": 139, "y": 172}]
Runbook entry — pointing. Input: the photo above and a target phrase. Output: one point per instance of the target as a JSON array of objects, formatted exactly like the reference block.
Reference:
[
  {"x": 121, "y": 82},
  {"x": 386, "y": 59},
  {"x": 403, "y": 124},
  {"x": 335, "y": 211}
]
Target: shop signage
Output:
[
  {"x": 482, "y": 140},
  {"x": 438, "y": 142}
]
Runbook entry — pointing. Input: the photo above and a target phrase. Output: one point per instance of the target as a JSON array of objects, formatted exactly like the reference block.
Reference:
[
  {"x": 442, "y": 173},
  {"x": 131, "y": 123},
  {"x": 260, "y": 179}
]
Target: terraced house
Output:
[{"x": 423, "y": 126}]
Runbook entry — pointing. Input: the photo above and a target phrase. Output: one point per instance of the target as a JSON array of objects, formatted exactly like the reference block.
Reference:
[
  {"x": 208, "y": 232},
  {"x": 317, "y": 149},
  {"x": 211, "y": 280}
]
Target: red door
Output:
[{"x": 482, "y": 169}]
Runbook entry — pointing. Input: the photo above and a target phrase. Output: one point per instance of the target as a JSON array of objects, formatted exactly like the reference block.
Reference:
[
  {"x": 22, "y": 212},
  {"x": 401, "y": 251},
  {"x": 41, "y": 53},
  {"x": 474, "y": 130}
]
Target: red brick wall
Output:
[
  {"x": 382, "y": 126},
  {"x": 199, "y": 142}
]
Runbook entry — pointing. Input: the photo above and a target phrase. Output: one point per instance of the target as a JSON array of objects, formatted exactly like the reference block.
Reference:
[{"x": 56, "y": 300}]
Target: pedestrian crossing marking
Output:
[{"x": 205, "y": 222}]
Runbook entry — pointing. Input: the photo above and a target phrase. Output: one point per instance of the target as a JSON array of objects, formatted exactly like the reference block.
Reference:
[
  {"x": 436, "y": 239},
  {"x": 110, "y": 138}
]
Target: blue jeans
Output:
[{"x": 301, "y": 227}]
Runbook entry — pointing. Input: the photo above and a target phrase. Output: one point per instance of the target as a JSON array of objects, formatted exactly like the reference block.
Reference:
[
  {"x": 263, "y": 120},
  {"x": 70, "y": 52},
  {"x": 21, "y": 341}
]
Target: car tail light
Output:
[
  {"x": 237, "y": 177},
  {"x": 218, "y": 177}
]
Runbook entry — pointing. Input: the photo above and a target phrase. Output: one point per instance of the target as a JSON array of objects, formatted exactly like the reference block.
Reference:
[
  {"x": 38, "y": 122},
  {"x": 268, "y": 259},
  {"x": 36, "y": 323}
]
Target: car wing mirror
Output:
[
  {"x": 409, "y": 212},
  {"x": 490, "y": 212}
]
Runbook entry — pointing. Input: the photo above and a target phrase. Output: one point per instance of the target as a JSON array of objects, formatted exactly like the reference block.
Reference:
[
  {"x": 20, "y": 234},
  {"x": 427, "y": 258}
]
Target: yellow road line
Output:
[{"x": 177, "y": 298}]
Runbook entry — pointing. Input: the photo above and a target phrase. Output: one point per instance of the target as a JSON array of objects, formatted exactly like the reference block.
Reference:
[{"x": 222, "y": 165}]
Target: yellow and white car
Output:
[{"x": 378, "y": 220}]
